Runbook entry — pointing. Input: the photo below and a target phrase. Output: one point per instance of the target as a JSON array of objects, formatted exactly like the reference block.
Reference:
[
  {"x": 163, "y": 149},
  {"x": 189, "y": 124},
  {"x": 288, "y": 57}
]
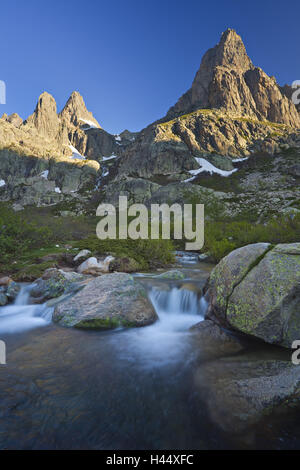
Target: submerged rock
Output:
[
  {"x": 240, "y": 391},
  {"x": 107, "y": 302},
  {"x": 215, "y": 340},
  {"x": 173, "y": 274},
  {"x": 256, "y": 290}
]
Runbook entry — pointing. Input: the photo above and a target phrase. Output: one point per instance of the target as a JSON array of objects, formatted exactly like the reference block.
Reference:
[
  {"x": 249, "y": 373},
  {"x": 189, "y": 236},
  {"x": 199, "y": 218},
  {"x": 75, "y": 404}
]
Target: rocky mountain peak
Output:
[
  {"x": 44, "y": 117},
  {"x": 46, "y": 105},
  {"x": 13, "y": 119},
  {"x": 76, "y": 113},
  {"x": 228, "y": 80},
  {"x": 230, "y": 52}
]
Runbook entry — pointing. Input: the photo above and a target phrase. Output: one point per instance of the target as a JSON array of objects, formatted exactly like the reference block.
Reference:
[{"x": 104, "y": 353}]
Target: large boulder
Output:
[
  {"x": 256, "y": 290},
  {"x": 107, "y": 302}
]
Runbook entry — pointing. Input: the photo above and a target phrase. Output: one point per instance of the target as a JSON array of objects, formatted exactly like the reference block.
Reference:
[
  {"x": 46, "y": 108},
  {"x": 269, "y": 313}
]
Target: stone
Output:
[
  {"x": 124, "y": 265},
  {"x": 5, "y": 281},
  {"x": 12, "y": 290},
  {"x": 93, "y": 266},
  {"x": 107, "y": 302},
  {"x": 54, "y": 283},
  {"x": 256, "y": 290},
  {"x": 81, "y": 254},
  {"x": 173, "y": 275},
  {"x": 242, "y": 390},
  {"x": 3, "y": 299},
  {"x": 216, "y": 340}
]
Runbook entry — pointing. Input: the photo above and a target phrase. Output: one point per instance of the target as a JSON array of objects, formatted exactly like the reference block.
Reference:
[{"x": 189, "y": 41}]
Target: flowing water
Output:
[
  {"x": 21, "y": 317},
  {"x": 144, "y": 388}
]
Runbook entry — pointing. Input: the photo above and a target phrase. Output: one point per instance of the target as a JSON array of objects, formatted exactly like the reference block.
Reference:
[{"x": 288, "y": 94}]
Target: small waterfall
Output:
[
  {"x": 21, "y": 316},
  {"x": 23, "y": 295},
  {"x": 163, "y": 343},
  {"x": 177, "y": 301}
]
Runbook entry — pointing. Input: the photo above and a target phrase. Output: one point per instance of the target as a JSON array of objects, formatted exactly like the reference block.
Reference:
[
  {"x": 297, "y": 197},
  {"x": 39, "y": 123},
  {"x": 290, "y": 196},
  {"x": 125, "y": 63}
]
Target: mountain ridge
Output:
[{"x": 233, "y": 111}]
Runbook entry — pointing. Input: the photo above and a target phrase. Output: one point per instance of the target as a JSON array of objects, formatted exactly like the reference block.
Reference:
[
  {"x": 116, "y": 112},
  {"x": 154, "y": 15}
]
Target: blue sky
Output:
[{"x": 132, "y": 59}]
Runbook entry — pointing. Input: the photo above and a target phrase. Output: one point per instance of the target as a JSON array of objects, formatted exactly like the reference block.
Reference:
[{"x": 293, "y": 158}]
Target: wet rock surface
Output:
[{"x": 107, "y": 302}]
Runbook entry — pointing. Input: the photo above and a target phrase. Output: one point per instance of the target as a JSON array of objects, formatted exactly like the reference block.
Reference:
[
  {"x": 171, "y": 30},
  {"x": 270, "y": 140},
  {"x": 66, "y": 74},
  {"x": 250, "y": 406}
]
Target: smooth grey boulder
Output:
[
  {"x": 107, "y": 302},
  {"x": 256, "y": 290}
]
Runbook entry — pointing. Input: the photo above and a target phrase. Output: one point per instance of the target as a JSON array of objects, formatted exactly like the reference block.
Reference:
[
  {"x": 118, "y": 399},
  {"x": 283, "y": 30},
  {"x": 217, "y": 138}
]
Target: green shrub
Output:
[
  {"x": 147, "y": 253},
  {"x": 221, "y": 237},
  {"x": 18, "y": 236}
]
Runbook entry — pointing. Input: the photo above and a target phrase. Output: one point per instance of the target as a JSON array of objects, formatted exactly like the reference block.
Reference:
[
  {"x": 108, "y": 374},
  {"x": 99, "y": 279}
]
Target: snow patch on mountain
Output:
[
  {"x": 208, "y": 167},
  {"x": 76, "y": 155}
]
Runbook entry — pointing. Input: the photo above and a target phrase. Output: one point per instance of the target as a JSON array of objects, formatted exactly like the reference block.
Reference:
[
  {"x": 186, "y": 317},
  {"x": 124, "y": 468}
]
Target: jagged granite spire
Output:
[
  {"x": 76, "y": 113},
  {"x": 44, "y": 117},
  {"x": 228, "y": 80}
]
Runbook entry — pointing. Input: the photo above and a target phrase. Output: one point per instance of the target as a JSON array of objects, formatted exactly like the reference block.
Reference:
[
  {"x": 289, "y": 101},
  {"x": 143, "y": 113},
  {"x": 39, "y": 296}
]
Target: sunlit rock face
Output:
[{"x": 227, "y": 79}]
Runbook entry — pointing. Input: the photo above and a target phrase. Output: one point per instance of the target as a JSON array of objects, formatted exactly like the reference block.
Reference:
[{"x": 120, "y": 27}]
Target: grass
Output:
[
  {"x": 27, "y": 239},
  {"x": 221, "y": 237}
]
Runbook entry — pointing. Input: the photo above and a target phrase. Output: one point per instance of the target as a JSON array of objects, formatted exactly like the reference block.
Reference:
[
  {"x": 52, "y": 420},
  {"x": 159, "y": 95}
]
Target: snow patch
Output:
[
  {"x": 118, "y": 138},
  {"x": 240, "y": 159},
  {"x": 109, "y": 158},
  {"x": 2, "y": 183},
  {"x": 76, "y": 155},
  {"x": 209, "y": 168},
  {"x": 90, "y": 123},
  {"x": 45, "y": 174}
]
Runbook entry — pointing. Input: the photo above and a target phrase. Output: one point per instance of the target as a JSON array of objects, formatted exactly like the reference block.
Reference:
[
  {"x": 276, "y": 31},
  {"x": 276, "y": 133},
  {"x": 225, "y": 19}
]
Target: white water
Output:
[
  {"x": 21, "y": 316},
  {"x": 162, "y": 343},
  {"x": 165, "y": 341}
]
